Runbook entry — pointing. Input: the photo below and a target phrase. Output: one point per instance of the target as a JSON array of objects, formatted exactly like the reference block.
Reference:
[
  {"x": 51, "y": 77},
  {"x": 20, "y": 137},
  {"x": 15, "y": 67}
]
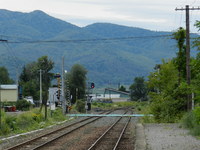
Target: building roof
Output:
[
  {"x": 117, "y": 91},
  {"x": 8, "y": 87}
]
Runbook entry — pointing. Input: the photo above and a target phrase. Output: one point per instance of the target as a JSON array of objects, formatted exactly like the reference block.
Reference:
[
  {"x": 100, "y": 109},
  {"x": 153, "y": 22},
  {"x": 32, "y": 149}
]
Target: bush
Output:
[
  {"x": 28, "y": 121},
  {"x": 25, "y": 121},
  {"x": 11, "y": 122},
  {"x": 4, "y": 128},
  {"x": 166, "y": 110},
  {"x": 191, "y": 120},
  {"x": 196, "y": 113},
  {"x": 38, "y": 117},
  {"x": 23, "y": 105},
  {"x": 58, "y": 115},
  {"x": 9, "y": 103},
  {"x": 188, "y": 120},
  {"x": 80, "y": 106}
]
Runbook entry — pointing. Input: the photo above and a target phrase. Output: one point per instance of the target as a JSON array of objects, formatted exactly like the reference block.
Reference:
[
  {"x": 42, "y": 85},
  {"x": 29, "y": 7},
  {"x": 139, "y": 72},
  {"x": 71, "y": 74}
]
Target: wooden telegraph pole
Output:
[
  {"x": 188, "y": 71},
  {"x": 63, "y": 87}
]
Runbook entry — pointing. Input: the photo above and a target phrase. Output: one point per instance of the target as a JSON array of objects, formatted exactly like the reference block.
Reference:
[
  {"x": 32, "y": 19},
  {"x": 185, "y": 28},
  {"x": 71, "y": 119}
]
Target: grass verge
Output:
[{"x": 28, "y": 121}]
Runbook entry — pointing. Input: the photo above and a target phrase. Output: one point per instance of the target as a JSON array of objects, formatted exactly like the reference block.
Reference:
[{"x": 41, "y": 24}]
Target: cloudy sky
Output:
[{"x": 159, "y": 15}]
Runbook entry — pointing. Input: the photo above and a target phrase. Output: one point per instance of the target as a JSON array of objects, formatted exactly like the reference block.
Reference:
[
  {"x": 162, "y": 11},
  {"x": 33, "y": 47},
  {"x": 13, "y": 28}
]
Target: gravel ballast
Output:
[{"x": 169, "y": 137}]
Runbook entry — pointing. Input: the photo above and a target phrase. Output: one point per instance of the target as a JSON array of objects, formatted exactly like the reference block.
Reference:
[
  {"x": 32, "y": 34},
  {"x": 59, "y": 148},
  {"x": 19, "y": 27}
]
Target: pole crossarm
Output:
[
  {"x": 193, "y": 8},
  {"x": 2, "y": 40}
]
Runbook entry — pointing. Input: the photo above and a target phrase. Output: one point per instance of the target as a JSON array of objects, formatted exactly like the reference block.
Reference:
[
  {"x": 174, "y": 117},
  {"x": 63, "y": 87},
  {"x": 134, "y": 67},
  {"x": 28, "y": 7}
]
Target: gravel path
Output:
[{"x": 169, "y": 137}]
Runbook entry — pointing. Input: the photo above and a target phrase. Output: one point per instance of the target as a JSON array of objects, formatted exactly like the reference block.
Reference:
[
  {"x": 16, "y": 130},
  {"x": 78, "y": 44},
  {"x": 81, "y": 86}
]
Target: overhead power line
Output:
[
  {"x": 85, "y": 40},
  {"x": 2, "y": 40}
]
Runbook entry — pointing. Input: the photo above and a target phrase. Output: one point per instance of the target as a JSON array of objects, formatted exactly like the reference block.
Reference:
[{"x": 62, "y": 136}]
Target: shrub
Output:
[
  {"x": 58, "y": 115},
  {"x": 80, "y": 106},
  {"x": 11, "y": 122},
  {"x": 4, "y": 128},
  {"x": 191, "y": 120},
  {"x": 23, "y": 105},
  {"x": 166, "y": 110},
  {"x": 38, "y": 117},
  {"x": 94, "y": 103},
  {"x": 196, "y": 113},
  {"x": 188, "y": 120},
  {"x": 25, "y": 121},
  {"x": 9, "y": 103},
  {"x": 28, "y": 121}
]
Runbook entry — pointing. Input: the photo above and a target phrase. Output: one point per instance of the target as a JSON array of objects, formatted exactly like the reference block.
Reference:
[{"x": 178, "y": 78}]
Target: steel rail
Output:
[
  {"x": 101, "y": 137},
  {"x": 122, "y": 132},
  {"x": 56, "y": 138},
  {"x": 64, "y": 134},
  {"x": 18, "y": 146}
]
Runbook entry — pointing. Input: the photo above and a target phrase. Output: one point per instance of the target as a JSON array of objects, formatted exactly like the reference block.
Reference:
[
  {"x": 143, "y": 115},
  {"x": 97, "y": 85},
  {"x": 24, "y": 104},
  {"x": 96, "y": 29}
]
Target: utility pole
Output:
[
  {"x": 68, "y": 95},
  {"x": 63, "y": 87},
  {"x": 188, "y": 71},
  {"x": 40, "y": 86}
]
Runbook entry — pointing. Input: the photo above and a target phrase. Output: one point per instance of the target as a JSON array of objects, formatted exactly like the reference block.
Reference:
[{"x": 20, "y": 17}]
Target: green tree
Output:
[
  {"x": 46, "y": 65},
  {"x": 195, "y": 68},
  {"x": 168, "y": 99},
  {"x": 77, "y": 81},
  {"x": 30, "y": 89},
  {"x": 30, "y": 77},
  {"x": 4, "y": 76},
  {"x": 196, "y": 42},
  {"x": 180, "y": 60},
  {"x": 122, "y": 88},
  {"x": 165, "y": 79},
  {"x": 28, "y": 80},
  {"x": 138, "y": 89}
]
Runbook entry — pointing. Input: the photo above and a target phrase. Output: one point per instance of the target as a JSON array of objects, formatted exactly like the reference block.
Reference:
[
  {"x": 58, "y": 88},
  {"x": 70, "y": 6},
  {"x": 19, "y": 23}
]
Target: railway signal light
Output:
[
  {"x": 58, "y": 92},
  {"x": 92, "y": 85},
  {"x": 57, "y": 75}
]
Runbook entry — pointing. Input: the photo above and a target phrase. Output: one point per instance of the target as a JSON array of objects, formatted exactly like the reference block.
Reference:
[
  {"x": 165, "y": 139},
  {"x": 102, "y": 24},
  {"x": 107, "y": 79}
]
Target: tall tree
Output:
[
  {"x": 180, "y": 60},
  {"x": 77, "y": 82},
  {"x": 168, "y": 99},
  {"x": 28, "y": 80},
  {"x": 46, "y": 65},
  {"x": 4, "y": 76},
  {"x": 138, "y": 89},
  {"x": 122, "y": 88},
  {"x": 29, "y": 77}
]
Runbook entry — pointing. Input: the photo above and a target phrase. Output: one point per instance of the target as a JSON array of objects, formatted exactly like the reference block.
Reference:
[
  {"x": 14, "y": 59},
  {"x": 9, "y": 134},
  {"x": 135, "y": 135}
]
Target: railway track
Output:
[
  {"x": 41, "y": 141},
  {"x": 112, "y": 137},
  {"x": 57, "y": 138}
]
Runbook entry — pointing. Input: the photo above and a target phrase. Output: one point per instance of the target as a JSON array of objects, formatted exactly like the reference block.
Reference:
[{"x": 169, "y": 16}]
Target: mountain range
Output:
[{"x": 111, "y": 53}]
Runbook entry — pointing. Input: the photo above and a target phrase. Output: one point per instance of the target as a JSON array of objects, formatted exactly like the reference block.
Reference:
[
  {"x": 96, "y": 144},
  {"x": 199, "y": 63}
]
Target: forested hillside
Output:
[{"x": 121, "y": 54}]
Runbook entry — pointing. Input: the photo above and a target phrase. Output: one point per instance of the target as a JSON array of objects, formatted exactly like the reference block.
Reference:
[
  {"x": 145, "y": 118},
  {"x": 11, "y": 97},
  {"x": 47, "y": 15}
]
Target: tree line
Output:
[
  {"x": 166, "y": 88},
  {"x": 29, "y": 79}
]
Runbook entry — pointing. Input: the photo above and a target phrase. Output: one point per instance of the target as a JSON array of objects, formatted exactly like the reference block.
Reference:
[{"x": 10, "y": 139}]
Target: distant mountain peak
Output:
[{"x": 38, "y": 12}]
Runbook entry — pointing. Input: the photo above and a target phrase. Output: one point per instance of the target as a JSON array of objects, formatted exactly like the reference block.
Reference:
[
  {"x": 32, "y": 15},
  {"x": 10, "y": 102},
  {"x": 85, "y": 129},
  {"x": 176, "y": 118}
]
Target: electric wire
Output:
[
  {"x": 14, "y": 58},
  {"x": 87, "y": 40},
  {"x": 174, "y": 22},
  {"x": 11, "y": 53},
  {"x": 193, "y": 2}
]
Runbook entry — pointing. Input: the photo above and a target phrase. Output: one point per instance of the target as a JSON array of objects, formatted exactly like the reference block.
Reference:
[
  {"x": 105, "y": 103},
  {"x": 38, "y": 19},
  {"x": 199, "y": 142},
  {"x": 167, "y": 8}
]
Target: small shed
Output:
[{"x": 8, "y": 93}]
